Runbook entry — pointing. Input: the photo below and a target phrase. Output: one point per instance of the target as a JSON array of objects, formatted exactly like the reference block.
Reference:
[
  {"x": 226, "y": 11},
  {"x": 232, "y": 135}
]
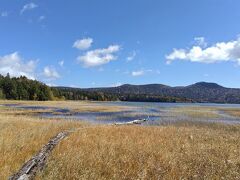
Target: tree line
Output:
[
  {"x": 80, "y": 94},
  {"x": 22, "y": 88}
]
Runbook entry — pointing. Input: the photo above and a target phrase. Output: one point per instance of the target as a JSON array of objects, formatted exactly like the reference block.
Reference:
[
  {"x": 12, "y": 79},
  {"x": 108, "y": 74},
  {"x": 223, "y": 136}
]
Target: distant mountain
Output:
[
  {"x": 133, "y": 89},
  {"x": 198, "y": 92},
  {"x": 22, "y": 88},
  {"x": 206, "y": 85}
]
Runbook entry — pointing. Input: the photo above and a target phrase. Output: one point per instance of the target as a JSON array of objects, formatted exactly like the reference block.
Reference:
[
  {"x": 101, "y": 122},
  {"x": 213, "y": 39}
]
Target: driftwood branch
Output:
[
  {"x": 38, "y": 161},
  {"x": 138, "y": 121}
]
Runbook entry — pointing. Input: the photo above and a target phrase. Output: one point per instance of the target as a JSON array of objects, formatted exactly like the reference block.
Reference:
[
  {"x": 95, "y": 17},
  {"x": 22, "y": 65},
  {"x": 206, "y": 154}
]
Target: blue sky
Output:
[{"x": 107, "y": 43}]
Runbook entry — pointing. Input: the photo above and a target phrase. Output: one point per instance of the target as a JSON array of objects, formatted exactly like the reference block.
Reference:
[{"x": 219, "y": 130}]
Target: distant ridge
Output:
[
  {"x": 198, "y": 92},
  {"x": 206, "y": 85}
]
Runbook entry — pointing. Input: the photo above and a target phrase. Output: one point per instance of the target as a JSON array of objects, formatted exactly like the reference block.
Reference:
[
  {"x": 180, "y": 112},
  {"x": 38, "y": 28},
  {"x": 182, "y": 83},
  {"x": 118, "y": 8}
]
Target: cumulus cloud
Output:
[
  {"x": 61, "y": 63},
  {"x": 15, "y": 66},
  {"x": 50, "y": 73},
  {"x": 83, "y": 44},
  {"x": 27, "y": 7},
  {"x": 4, "y": 14},
  {"x": 138, "y": 73},
  {"x": 131, "y": 56},
  {"x": 218, "y": 52},
  {"x": 99, "y": 57}
]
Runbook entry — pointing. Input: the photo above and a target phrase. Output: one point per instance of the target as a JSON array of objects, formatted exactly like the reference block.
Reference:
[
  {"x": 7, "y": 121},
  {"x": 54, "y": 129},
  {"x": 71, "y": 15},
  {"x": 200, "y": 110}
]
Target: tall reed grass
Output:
[{"x": 168, "y": 152}]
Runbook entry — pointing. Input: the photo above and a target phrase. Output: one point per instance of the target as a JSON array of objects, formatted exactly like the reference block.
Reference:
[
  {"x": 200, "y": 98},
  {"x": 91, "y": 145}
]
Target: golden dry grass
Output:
[
  {"x": 181, "y": 151},
  {"x": 134, "y": 152},
  {"x": 232, "y": 111},
  {"x": 197, "y": 112},
  {"x": 23, "y": 136},
  {"x": 78, "y": 106}
]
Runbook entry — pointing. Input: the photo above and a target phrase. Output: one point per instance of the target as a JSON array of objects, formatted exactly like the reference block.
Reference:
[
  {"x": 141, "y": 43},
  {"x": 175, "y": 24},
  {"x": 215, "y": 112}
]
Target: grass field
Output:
[
  {"x": 168, "y": 152},
  {"x": 74, "y": 106},
  {"x": 197, "y": 112},
  {"x": 232, "y": 111},
  {"x": 183, "y": 150},
  {"x": 23, "y": 136}
]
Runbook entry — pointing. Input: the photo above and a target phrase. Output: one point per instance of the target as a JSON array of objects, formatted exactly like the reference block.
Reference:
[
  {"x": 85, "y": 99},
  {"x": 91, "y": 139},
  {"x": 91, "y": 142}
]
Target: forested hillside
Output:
[
  {"x": 22, "y": 88},
  {"x": 102, "y": 95},
  {"x": 198, "y": 92}
]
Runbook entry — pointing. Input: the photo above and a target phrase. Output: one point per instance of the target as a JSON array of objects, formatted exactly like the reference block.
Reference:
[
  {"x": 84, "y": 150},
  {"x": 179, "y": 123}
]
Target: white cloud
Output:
[
  {"x": 131, "y": 56},
  {"x": 83, "y": 44},
  {"x": 138, "y": 73},
  {"x": 15, "y": 66},
  {"x": 219, "y": 52},
  {"x": 99, "y": 57},
  {"x": 200, "y": 41},
  {"x": 116, "y": 84},
  {"x": 61, "y": 63},
  {"x": 4, "y": 14},
  {"x": 50, "y": 73},
  {"x": 41, "y": 18},
  {"x": 73, "y": 86},
  {"x": 51, "y": 85},
  {"x": 27, "y": 7},
  {"x": 144, "y": 72}
]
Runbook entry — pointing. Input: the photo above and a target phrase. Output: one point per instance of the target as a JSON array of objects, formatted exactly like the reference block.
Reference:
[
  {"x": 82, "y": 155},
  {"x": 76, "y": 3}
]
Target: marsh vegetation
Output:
[
  {"x": 181, "y": 141},
  {"x": 22, "y": 136},
  {"x": 167, "y": 152}
]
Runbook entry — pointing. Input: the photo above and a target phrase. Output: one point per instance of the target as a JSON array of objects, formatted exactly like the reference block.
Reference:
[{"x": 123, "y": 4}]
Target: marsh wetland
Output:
[
  {"x": 186, "y": 141},
  {"x": 118, "y": 112}
]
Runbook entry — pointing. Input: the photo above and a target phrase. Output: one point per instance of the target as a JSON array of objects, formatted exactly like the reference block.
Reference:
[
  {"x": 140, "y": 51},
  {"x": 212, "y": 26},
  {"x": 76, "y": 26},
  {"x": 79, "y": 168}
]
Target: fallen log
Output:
[
  {"x": 38, "y": 161},
  {"x": 138, "y": 121}
]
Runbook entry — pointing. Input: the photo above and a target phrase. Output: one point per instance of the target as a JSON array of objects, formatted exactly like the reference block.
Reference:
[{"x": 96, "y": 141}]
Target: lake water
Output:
[{"x": 156, "y": 113}]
